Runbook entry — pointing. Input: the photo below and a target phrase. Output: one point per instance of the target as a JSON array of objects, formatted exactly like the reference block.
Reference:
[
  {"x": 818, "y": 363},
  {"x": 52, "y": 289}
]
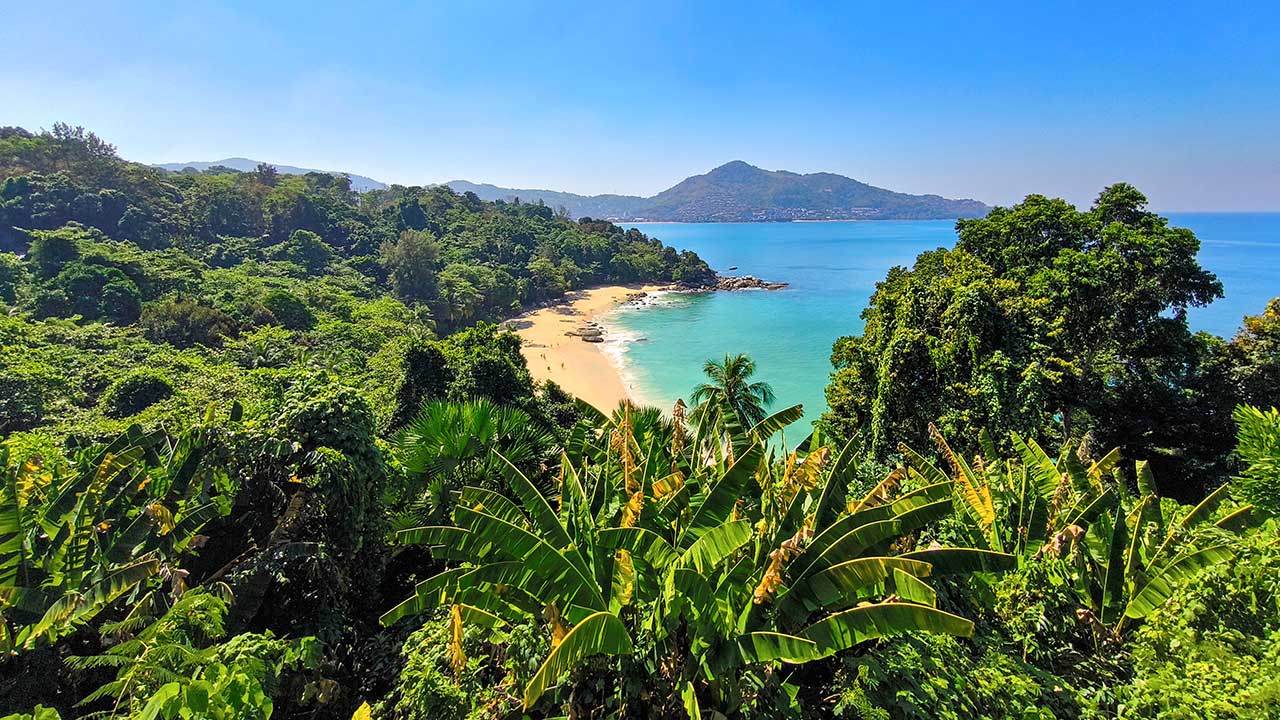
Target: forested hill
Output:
[
  {"x": 257, "y": 269},
  {"x": 734, "y": 192},
  {"x": 739, "y": 192},
  {"x": 603, "y": 206},
  {"x": 359, "y": 183}
]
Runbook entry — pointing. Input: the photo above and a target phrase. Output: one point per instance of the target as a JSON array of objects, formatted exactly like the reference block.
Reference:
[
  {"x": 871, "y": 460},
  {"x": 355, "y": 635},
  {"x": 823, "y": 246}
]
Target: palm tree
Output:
[
  {"x": 731, "y": 385},
  {"x": 452, "y": 444}
]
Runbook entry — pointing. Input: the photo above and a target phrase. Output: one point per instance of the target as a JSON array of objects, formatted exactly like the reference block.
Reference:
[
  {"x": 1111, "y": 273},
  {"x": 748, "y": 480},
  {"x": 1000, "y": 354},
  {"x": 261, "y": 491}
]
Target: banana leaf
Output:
[
  {"x": 599, "y": 634},
  {"x": 716, "y": 545},
  {"x": 962, "y": 561},
  {"x": 846, "y": 629},
  {"x": 1162, "y": 586}
]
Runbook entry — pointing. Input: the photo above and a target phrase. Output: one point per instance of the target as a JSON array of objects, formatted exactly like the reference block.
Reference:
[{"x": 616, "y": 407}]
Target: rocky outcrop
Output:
[
  {"x": 746, "y": 282},
  {"x": 729, "y": 283}
]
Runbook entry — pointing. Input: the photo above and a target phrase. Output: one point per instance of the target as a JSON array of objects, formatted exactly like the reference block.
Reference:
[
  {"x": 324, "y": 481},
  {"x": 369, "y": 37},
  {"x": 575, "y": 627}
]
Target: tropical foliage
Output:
[
  {"x": 731, "y": 387},
  {"x": 265, "y": 453},
  {"x": 1056, "y": 323},
  {"x": 1259, "y": 451},
  {"x": 76, "y": 539},
  {"x": 648, "y": 552},
  {"x": 1126, "y": 557}
]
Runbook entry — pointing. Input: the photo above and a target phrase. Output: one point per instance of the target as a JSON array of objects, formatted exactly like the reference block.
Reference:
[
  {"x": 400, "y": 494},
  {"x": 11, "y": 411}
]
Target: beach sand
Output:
[{"x": 577, "y": 366}]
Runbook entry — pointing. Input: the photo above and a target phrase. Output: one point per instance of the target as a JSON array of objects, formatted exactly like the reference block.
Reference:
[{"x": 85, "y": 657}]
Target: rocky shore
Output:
[
  {"x": 745, "y": 282},
  {"x": 591, "y": 331}
]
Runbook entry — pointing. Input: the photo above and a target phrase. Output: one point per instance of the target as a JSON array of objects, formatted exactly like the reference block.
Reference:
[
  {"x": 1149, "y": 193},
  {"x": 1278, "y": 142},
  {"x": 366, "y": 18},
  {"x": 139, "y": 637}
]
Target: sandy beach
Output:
[{"x": 577, "y": 366}]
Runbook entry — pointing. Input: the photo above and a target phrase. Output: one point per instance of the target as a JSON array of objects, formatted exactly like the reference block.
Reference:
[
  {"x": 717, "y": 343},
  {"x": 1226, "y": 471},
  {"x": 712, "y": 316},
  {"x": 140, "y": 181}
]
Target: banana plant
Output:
[
  {"x": 703, "y": 558},
  {"x": 1018, "y": 505},
  {"x": 1127, "y": 559},
  {"x": 71, "y": 544},
  {"x": 1132, "y": 560}
]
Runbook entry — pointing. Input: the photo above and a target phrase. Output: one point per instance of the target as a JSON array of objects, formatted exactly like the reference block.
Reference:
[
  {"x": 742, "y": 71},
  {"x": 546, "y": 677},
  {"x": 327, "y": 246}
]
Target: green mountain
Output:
[{"x": 739, "y": 192}]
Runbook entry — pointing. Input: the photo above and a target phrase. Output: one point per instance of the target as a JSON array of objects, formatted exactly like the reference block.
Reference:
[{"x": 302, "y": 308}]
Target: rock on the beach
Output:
[{"x": 590, "y": 332}]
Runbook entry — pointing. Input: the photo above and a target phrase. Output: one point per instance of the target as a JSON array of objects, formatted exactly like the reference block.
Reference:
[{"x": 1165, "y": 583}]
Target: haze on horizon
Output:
[{"x": 989, "y": 102}]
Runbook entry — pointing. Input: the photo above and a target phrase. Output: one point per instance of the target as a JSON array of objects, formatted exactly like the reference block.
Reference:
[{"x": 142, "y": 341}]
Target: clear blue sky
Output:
[{"x": 983, "y": 100}]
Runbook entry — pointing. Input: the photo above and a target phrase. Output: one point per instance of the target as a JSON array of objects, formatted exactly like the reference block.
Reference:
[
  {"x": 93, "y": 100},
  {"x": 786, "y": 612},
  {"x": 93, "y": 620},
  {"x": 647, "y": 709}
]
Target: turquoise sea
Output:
[{"x": 833, "y": 269}]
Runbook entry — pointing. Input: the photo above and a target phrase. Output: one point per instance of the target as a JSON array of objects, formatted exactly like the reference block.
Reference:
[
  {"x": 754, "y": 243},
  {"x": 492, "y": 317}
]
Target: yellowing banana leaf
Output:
[
  {"x": 1237, "y": 520},
  {"x": 689, "y": 697},
  {"x": 846, "y": 629},
  {"x": 599, "y": 634}
]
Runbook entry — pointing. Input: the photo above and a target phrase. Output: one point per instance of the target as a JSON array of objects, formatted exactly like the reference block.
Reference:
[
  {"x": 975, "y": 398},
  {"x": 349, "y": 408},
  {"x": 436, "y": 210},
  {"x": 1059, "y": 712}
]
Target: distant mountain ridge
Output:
[
  {"x": 359, "y": 183},
  {"x": 595, "y": 206},
  {"x": 740, "y": 192},
  {"x": 733, "y": 192}
]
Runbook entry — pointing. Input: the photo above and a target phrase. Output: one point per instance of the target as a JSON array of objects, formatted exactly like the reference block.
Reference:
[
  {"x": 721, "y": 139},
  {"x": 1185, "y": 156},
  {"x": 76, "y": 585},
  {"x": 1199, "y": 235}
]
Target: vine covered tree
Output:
[{"x": 1051, "y": 322}]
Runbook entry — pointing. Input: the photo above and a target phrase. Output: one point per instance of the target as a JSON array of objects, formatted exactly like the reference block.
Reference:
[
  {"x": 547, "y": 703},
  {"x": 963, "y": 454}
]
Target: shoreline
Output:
[
  {"x": 625, "y": 223},
  {"x": 581, "y": 368}
]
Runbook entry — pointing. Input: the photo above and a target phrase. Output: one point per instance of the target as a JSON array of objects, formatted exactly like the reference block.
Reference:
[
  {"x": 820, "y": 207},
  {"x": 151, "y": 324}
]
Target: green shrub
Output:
[
  {"x": 1214, "y": 650},
  {"x": 183, "y": 666},
  {"x": 938, "y": 676},
  {"x": 1258, "y": 447},
  {"x": 184, "y": 324},
  {"x": 289, "y": 311},
  {"x": 134, "y": 393},
  {"x": 22, "y": 399},
  {"x": 334, "y": 426},
  {"x": 306, "y": 249},
  {"x": 12, "y": 274},
  {"x": 40, "y": 712},
  {"x": 495, "y": 662},
  {"x": 265, "y": 347},
  {"x": 427, "y": 690},
  {"x": 94, "y": 292},
  {"x": 425, "y": 375},
  {"x": 52, "y": 249}
]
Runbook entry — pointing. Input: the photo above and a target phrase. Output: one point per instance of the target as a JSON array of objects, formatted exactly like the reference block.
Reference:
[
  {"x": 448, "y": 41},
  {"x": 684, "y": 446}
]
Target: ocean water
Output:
[{"x": 833, "y": 269}]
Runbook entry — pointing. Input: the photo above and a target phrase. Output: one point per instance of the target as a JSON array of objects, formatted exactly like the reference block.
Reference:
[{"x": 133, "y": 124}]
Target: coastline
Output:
[
  {"x": 581, "y": 368},
  {"x": 626, "y": 223}
]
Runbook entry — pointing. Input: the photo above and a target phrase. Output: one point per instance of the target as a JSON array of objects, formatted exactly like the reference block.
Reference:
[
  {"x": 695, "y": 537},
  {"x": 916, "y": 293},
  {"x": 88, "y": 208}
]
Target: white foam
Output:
[{"x": 617, "y": 345}]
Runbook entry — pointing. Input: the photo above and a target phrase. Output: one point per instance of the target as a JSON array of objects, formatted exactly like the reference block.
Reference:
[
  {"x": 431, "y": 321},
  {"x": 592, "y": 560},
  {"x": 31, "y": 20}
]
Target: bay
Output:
[{"x": 832, "y": 268}]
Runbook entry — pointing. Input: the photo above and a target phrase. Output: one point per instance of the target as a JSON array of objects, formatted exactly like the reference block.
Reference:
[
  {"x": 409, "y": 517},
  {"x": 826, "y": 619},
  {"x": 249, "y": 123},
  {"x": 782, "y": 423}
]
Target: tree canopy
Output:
[{"x": 1052, "y": 322}]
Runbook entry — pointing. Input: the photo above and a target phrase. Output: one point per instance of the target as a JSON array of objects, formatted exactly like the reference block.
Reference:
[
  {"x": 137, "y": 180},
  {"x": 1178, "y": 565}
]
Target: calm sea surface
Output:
[{"x": 833, "y": 269}]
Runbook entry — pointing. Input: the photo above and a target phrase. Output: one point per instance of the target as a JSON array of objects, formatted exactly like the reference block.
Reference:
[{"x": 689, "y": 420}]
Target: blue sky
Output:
[{"x": 983, "y": 100}]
